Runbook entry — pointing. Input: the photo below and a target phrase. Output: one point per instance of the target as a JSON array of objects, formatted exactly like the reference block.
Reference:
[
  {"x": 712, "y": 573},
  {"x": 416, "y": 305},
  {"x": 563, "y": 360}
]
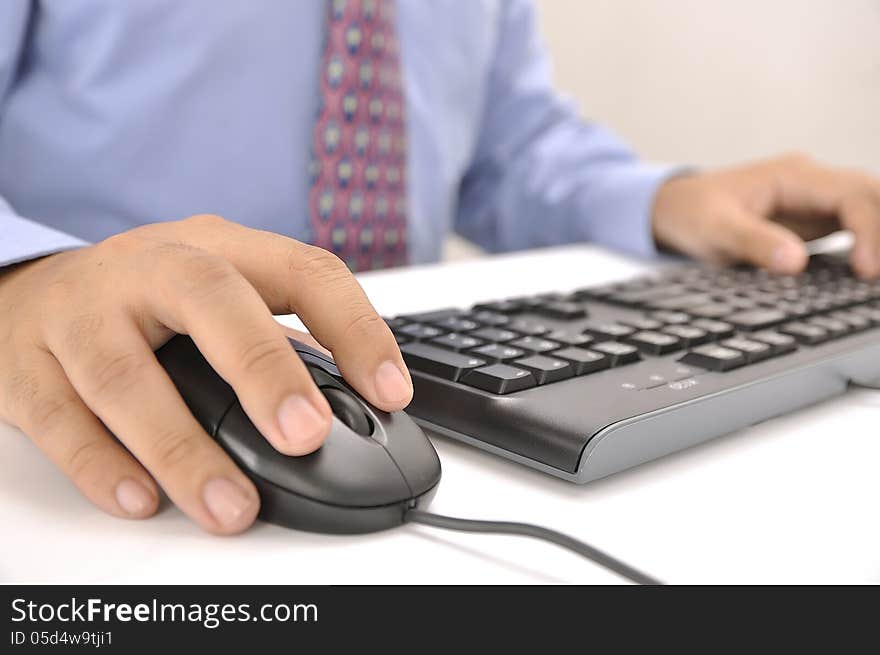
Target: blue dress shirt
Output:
[{"x": 118, "y": 113}]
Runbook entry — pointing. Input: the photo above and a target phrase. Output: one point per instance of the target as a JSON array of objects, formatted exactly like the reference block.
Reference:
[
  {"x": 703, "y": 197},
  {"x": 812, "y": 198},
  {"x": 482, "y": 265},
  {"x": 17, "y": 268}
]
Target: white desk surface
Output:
[{"x": 792, "y": 500}]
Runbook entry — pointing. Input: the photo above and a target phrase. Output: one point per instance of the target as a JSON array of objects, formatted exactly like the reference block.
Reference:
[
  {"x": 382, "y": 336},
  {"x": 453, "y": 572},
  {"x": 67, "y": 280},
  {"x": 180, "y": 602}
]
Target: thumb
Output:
[{"x": 756, "y": 240}]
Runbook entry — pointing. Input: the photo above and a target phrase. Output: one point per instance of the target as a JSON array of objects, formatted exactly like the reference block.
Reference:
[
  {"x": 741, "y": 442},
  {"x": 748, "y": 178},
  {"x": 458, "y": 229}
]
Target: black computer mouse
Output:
[{"x": 370, "y": 470}]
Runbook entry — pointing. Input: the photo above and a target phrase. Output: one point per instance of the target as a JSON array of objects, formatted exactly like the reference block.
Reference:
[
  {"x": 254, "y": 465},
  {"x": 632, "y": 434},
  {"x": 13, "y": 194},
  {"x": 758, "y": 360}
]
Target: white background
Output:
[{"x": 713, "y": 81}]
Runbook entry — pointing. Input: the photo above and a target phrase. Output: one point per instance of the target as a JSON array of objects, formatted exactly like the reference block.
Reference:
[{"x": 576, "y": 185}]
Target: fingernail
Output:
[
  {"x": 227, "y": 502},
  {"x": 300, "y": 421},
  {"x": 788, "y": 258},
  {"x": 391, "y": 385},
  {"x": 134, "y": 498}
]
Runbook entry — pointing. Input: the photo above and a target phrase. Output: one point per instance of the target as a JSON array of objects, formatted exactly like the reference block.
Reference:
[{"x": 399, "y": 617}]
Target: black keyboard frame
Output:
[{"x": 589, "y": 426}]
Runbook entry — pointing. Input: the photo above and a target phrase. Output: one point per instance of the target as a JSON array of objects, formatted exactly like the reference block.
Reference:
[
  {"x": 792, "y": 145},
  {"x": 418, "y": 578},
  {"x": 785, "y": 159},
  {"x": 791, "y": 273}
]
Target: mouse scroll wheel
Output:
[{"x": 348, "y": 410}]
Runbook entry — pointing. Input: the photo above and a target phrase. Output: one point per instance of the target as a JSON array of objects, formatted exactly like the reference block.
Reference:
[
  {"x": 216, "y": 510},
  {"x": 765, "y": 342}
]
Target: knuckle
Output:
[
  {"x": 363, "y": 324},
  {"x": 112, "y": 376},
  {"x": 45, "y": 413},
  {"x": 206, "y": 221},
  {"x": 206, "y": 274},
  {"x": 82, "y": 458},
  {"x": 260, "y": 354},
  {"x": 318, "y": 266},
  {"x": 796, "y": 158},
  {"x": 172, "y": 448},
  {"x": 169, "y": 250},
  {"x": 117, "y": 244}
]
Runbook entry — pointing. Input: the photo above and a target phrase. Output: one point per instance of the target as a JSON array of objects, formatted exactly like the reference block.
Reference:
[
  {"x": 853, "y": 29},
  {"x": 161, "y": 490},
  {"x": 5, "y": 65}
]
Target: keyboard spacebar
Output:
[{"x": 438, "y": 361}]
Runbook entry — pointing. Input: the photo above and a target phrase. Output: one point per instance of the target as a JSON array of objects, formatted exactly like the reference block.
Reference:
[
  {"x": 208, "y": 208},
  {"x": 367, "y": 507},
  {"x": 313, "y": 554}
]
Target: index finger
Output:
[{"x": 296, "y": 278}]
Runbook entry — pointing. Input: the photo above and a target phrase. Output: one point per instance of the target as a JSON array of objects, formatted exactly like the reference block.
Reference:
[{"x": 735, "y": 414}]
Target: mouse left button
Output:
[{"x": 207, "y": 395}]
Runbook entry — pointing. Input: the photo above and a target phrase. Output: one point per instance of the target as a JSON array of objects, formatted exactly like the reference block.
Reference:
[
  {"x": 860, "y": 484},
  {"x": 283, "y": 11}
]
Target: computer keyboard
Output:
[{"x": 587, "y": 383}]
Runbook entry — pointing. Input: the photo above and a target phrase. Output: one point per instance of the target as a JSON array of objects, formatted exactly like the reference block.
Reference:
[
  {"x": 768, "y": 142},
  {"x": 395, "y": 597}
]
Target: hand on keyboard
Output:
[{"x": 761, "y": 213}]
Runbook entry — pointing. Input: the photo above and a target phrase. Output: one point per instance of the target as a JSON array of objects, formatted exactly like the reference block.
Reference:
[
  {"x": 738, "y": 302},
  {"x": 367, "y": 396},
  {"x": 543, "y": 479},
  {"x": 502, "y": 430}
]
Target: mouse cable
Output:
[{"x": 536, "y": 532}]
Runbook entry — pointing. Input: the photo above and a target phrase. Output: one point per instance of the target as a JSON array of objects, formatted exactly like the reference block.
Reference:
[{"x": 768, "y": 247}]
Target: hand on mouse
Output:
[
  {"x": 77, "y": 335},
  {"x": 761, "y": 213}
]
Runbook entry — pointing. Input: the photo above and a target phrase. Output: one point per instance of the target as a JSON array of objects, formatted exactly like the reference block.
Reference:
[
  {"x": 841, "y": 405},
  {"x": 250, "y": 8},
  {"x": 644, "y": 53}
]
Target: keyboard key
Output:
[
  {"x": 655, "y": 343},
  {"x": 438, "y": 361},
  {"x": 753, "y": 350},
  {"x": 496, "y": 335},
  {"x": 496, "y": 352},
  {"x": 714, "y": 358},
  {"x": 419, "y": 331},
  {"x": 835, "y": 328},
  {"x": 618, "y": 353},
  {"x": 644, "y": 296},
  {"x": 545, "y": 369},
  {"x": 856, "y": 322},
  {"x": 642, "y": 323},
  {"x": 690, "y": 335},
  {"x": 493, "y": 319},
  {"x": 671, "y": 318},
  {"x": 778, "y": 342},
  {"x": 805, "y": 333},
  {"x": 562, "y": 310},
  {"x": 457, "y": 342},
  {"x": 529, "y": 327},
  {"x": 682, "y": 302},
  {"x": 395, "y": 323},
  {"x": 840, "y": 299},
  {"x": 570, "y": 338},
  {"x": 756, "y": 319},
  {"x": 401, "y": 339},
  {"x": 499, "y": 378},
  {"x": 499, "y": 307},
  {"x": 609, "y": 331},
  {"x": 761, "y": 297},
  {"x": 431, "y": 317},
  {"x": 819, "y": 305},
  {"x": 871, "y": 313},
  {"x": 738, "y": 302},
  {"x": 583, "y": 361},
  {"x": 547, "y": 297},
  {"x": 457, "y": 324},
  {"x": 535, "y": 344},
  {"x": 599, "y": 293},
  {"x": 715, "y": 329},
  {"x": 795, "y": 309},
  {"x": 712, "y": 310},
  {"x": 527, "y": 303}
]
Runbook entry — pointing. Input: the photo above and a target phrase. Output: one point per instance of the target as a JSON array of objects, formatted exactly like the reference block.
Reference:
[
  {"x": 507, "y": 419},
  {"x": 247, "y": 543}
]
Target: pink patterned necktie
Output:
[{"x": 357, "y": 199}]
